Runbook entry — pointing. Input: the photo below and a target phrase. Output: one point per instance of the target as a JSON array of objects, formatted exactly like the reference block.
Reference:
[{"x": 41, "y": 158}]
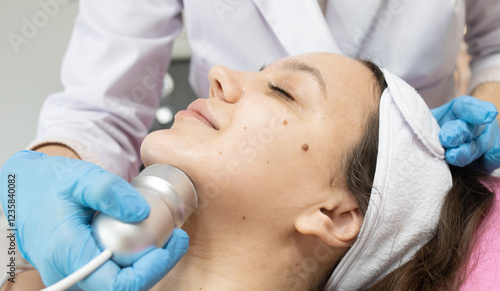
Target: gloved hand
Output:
[
  {"x": 55, "y": 200},
  {"x": 469, "y": 131}
]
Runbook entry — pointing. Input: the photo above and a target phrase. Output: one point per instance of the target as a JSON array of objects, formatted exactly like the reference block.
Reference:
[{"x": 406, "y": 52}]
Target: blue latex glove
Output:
[
  {"x": 469, "y": 131},
  {"x": 55, "y": 202}
]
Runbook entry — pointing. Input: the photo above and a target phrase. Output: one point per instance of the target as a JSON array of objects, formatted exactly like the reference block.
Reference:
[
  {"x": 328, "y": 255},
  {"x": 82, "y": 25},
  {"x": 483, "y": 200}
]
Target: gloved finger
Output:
[
  {"x": 90, "y": 185},
  {"x": 443, "y": 114},
  {"x": 72, "y": 249},
  {"x": 474, "y": 111},
  {"x": 457, "y": 132},
  {"x": 144, "y": 273},
  {"x": 469, "y": 152},
  {"x": 106, "y": 192},
  {"x": 153, "y": 266}
]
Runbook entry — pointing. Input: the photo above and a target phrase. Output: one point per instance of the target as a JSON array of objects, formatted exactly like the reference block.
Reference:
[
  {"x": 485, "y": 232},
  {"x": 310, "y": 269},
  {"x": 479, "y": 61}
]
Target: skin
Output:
[
  {"x": 274, "y": 209},
  {"x": 215, "y": 258},
  {"x": 266, "y": 203}
]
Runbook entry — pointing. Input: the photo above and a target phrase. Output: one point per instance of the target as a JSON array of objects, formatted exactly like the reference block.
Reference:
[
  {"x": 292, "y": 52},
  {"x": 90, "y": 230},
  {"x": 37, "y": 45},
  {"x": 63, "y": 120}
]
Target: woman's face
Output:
[{"x": 267, "y": 142}]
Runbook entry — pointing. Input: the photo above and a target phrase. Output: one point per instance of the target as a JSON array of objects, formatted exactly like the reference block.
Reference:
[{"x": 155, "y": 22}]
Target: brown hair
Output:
[{"x": 439, "y": 264}]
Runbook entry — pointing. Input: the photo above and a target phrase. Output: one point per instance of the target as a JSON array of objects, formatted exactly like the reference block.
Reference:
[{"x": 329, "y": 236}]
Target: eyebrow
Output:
[{"x": 294, "y": 65}]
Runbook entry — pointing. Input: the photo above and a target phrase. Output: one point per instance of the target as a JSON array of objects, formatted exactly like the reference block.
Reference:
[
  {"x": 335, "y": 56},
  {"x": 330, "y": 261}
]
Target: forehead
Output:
[
  {"x": 349, "y": 84},
  {"x": 339, "y": 76},
  {"x": 342, "y": 75}
]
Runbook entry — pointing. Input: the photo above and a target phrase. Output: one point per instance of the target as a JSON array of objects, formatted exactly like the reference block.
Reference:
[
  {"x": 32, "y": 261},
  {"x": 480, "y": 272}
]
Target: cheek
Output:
[
  {"x": 257, "y": 178},
  {"x": 261, "y": 158},
  {"x": 259, "y": 135}
]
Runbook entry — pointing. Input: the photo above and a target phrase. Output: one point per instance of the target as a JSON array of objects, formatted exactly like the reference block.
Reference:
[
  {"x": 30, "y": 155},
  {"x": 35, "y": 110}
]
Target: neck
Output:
[{"x": 240, "y": 260}]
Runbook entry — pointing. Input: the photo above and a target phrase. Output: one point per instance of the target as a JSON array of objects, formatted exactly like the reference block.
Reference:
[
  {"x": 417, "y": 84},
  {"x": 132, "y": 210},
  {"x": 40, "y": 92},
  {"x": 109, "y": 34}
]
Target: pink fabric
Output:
[{"x": 484, "y": 266}]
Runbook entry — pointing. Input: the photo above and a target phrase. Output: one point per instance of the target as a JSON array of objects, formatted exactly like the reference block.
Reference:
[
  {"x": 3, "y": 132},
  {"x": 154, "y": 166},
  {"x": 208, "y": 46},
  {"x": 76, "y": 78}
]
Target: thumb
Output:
[
  {"x": 153, "y": 266},
  {"x": 474, "y": 111}
]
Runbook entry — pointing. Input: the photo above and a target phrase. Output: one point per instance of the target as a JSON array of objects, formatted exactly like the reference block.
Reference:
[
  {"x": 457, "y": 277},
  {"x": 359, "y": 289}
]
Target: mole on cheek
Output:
[
  {"x": 305, "y": 147},
  {"x": 285, "y": 122}
]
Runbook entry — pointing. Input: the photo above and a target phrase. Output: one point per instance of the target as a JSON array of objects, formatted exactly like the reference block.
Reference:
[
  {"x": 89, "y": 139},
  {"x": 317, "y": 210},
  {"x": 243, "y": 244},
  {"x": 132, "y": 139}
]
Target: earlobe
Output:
[{"x": 337, "y": 227}]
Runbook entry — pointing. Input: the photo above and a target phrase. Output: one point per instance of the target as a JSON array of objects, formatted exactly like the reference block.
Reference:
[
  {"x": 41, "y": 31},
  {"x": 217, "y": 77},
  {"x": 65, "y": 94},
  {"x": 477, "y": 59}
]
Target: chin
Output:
[
  {"x": 152, "y": 148},
  {"x": 168, "y": 147}
]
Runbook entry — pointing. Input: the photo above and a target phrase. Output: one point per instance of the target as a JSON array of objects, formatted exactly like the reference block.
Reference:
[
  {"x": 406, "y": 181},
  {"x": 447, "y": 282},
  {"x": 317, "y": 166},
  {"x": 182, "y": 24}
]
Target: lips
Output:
[{"x": 203, "y": 112}]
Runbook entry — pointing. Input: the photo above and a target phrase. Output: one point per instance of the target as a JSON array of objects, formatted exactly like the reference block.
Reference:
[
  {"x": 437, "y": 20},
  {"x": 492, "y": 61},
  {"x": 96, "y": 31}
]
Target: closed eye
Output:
[{"x": 280, "y": 91}]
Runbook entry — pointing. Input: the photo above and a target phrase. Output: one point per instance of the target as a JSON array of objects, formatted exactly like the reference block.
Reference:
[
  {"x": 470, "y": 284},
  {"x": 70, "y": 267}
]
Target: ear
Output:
[{"x": 337, "y": 222}]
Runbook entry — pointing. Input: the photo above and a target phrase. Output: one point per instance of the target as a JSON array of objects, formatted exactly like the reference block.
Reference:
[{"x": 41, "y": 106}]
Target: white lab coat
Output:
[{"x": 120, "y": 50}]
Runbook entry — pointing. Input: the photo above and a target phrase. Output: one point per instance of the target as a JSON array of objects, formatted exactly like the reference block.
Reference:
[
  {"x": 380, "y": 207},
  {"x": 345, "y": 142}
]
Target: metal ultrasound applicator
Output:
[{"x": 172, "y": 198}]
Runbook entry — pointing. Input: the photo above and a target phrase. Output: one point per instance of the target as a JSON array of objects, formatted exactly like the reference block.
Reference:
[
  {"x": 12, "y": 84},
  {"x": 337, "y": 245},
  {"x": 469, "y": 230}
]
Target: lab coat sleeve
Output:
[
  {"x": 112, "y": 75},
  {"x": 483, "y": 38}
]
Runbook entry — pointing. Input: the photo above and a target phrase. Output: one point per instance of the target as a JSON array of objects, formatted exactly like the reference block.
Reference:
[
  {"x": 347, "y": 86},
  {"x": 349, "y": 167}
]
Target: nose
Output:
[{"x": 226, "y": 84}]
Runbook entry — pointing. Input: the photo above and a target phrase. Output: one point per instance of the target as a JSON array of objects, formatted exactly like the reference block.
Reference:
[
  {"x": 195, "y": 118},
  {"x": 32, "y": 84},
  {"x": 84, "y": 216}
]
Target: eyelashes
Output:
[{"x": 282, "y": 92}]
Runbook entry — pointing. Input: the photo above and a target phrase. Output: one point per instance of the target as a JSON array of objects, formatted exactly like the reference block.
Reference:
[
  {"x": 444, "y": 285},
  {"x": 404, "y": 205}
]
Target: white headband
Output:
[{"x": 411, "y": 181}]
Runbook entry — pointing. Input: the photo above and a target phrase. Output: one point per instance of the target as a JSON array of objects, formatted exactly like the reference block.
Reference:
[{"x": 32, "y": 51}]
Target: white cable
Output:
[{"x": 81, "y": 273}]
